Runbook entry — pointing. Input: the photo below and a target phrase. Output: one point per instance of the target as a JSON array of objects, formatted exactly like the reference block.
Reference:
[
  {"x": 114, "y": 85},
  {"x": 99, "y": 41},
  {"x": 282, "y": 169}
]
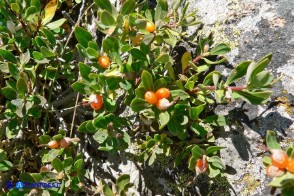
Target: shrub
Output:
[{"x": 43, "y": 61}]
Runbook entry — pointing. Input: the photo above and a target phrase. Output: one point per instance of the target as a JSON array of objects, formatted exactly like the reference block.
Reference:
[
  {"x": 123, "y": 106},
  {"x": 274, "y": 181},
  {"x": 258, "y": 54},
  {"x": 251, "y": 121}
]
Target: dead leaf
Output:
[{"x": 50, "y": 10}]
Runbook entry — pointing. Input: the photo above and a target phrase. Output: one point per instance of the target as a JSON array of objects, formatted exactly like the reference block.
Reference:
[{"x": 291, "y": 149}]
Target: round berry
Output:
[
  {"x": 96, "y": 101},
  {"x": 163, "y": 104},
  {"x": 150, "y": 27},
  {"x": 273, "y": 171},
  {"x": 104, "y": 61},
  {"x": 150, "y": 97},
  {"x": 53, "y": 144},
  {"x": 64, "y": 142},
  {"x": 290, "y": 166},
  {"x": 162, "y": 93},
  {"x": 201, "y": 166},
  {"x": 279, "y": 158}
]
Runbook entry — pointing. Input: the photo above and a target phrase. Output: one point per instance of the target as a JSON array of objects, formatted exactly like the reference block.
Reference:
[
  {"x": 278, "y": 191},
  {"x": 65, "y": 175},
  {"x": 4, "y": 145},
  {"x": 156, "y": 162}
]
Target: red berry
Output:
[
  {"x": 96, "y": 101},
  {"x": 274, "y": 171},
  {"x": 201, "y": 166},
  {"x": 163, "y": 104},
  {"x": 64, "y": 142},
  {"x": 162, "y": 93},
  {"x": 53, "y": 144},
  {"x": 150, "y": 97},
  {"x": 104, "y": 61},
  {"x": 279, "y": 158},
  {"x": 290, "y": 166}
]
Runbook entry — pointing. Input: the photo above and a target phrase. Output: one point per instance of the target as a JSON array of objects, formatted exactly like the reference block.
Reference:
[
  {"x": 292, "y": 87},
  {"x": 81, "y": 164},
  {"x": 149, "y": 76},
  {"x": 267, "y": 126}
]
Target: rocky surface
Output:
[{"x": 254, "y": 28}]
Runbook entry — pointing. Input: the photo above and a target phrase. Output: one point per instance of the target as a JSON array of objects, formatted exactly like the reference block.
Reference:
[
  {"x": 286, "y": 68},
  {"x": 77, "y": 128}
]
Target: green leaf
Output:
[
  {"x": 195, "y": 111},
  {"x": 216, "y": 162},
  {"x": 34, "y": 112},
  {"x": 107, "y": 19},
  {"x": 262, "y": 79},
  {"x": 8, "y": 56},
  {"x": 283, "y": 180},
  {"x": 22, "y": 86},
  {"x": 106, "y": 190},
  {"x": 210, "y": 78},
  {"x": 9, "y": 93},
  {"x": 53, "y": 153},
  {"x": 176, "y": 4},
  {"x": 5, "y": 165},
  {"x": 101, "y": 135},
  {"x": 271, "y": 140},
  {"x": 67, "y": 162},
  {"x": 104, "y": 5},
  {"x": 147, "y": 81},
  {"x": 36, "y": 4},
  {"x": 138, "y": 105},
  {"x": 163, "y": 119},
  {"x": 57, "y": 165},
  {"x": 216, "y": 120},
  {"x": 161, "y": 10},
  {"x": 81, "y": 87},
  {"x": 163, "y": 58},
  {"x": 85, "y": 70},
  {"x": 199, "y": 130},
  {"x": 196, "y": 152},
  {"x": 220, "y": 49},
  {"x": 46, "y": 52},
  {"x": 15, "y": 7},
  {"x": 186, "y": 58},
  {"x": 3, "y": 155},
  {"x": 138, "y": 54},
  {"x": 83, "y": 36},
  {"x": 78, "y": 164},
  {"x": 128, "y": 7},
  {"x": 266, "y": 160},
  {"x": 261, "y": 64},
  {"x": 44, "y": 139},
  {"x": 30, "y": 13},
  {"x": 238, "y": 72},
  {"x": 254, "y": 98},
  {"x": 211, "y": 150},
  {"x": 179, "y": 93},
  {"x": 122, "y": 181},
  {"x": 38, "y": 55},
  {"x": 213, "y": 171},
  {"x": 26, "y": 177},
  {"x": 222, "y": 60},
  {"x": 56, "y": 24}
]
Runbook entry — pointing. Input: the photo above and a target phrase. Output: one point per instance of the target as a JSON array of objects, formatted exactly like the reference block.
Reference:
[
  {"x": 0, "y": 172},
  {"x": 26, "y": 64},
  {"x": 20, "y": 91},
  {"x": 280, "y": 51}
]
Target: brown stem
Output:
[
  {"x": 212, "y": 88},
  {"x": 197, "y": 58},
  {"x": 194, "y": 61}
]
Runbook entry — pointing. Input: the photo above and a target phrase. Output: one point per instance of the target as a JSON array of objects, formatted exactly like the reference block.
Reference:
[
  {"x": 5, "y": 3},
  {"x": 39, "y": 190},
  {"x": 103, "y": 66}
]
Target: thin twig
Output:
[
  {"x": 77, "y": 23},
  {"x": 212, "y": 88}
]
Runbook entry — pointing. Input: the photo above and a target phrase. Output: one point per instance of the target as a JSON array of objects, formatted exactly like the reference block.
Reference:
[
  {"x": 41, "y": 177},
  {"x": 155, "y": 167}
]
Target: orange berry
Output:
[
  {"x": 273, "y": 171},
  {"x": 290, "y": 166},
  {"x": 162, "y": 93},
  {"x": 279, "y": 158},
  {"x": 44, "y": 169},
  {"x": 163, "y": 104},
  {"x": 53, "y": 144},
  {"x": 150, "y": 27},
  {"x": 201, "y": 166},
  {"x": 150, "y": 97},
  {"x": 104, "y": 61},
  {"x": 64, "y": 142},
  {"x": 96, "y": 101}
]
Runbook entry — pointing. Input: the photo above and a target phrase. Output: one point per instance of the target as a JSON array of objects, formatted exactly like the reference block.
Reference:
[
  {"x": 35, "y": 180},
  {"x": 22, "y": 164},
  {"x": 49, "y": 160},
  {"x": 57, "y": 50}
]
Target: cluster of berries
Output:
[
  {"x": 280, "y": 162},
  {"x": 63, "y": 143},
  {"x": 159, "y": 98}
]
